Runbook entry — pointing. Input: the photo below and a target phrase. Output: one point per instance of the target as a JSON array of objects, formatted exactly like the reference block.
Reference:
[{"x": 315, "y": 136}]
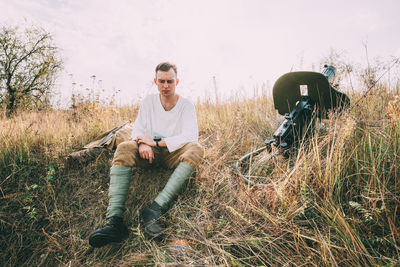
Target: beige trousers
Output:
[{"x": 127, "y": 154}]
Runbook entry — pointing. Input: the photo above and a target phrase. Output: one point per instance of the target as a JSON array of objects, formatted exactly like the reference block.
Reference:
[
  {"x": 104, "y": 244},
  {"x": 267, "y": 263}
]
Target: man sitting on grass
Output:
[{"x": 165, "y": 132}]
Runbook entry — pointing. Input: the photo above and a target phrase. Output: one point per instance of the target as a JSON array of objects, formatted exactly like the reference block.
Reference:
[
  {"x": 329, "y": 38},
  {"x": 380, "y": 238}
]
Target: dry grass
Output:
[{"x": 335, "y": 202}]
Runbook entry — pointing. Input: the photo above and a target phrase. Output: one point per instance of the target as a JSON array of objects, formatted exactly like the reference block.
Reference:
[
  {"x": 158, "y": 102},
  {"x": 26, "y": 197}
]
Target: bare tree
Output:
[{"x": 29, "y": 63}]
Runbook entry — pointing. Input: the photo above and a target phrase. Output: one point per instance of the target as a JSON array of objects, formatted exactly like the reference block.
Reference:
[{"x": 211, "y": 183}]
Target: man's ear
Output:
[
  {"x": 177, "y": 81},
  {"x": 155, "y": 80}
]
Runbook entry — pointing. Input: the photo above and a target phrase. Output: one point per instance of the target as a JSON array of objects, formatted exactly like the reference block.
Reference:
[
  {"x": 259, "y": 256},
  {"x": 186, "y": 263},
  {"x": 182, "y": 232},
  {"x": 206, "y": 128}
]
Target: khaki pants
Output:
[{"x": 127, "y": 154}]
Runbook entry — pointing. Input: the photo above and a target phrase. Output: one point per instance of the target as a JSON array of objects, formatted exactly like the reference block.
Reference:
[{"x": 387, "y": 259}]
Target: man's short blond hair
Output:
[{"x": 166, "y": 66}]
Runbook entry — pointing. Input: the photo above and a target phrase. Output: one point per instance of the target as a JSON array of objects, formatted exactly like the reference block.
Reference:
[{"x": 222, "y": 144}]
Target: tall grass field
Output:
[{"x": 333, "y": 202}]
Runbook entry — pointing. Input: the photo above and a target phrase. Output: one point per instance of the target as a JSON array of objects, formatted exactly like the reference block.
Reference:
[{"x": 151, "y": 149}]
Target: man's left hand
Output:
[{"x": 144, "y": 139}]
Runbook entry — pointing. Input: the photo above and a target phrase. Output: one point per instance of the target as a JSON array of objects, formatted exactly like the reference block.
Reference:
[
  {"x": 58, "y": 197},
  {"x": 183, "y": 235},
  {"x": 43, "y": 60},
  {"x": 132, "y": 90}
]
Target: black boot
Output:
[
  {"x": 150, "y": 220},
  {"x": 114, "y": 231}
]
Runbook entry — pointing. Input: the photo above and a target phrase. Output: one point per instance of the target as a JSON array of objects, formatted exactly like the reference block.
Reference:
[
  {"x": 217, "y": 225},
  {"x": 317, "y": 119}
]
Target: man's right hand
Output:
[{"x": 146, "y": 152}]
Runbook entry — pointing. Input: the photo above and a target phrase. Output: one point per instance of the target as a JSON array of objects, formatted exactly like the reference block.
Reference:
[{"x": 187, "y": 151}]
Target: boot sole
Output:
[
  {"x": 153, "y": 235},
  {"x": 100, "y": 240},
  {"x": 150, "y": 234}
]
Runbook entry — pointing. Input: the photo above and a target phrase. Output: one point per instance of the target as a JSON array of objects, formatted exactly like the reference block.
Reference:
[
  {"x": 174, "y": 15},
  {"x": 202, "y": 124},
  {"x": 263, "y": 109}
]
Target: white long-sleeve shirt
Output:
[{"x": 177, "y": 126}]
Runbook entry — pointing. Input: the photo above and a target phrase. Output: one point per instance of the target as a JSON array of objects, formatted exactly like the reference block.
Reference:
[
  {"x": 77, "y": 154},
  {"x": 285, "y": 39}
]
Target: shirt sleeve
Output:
[
  {"x": 139, "y": 126},
  {"x": 189, "y": 133}
]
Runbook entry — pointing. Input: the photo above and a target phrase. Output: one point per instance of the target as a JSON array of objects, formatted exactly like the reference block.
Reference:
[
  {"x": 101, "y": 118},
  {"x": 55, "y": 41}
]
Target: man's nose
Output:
[{"x": 165, "y": 84}]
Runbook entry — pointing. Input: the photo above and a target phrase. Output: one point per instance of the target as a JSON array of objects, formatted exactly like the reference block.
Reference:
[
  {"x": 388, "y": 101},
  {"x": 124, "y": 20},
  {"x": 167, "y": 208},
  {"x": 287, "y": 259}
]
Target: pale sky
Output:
[{"x": 244, "y": 44}]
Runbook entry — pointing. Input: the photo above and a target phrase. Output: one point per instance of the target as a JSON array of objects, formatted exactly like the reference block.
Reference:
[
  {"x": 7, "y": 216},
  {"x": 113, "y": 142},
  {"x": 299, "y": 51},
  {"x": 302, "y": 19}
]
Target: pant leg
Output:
[
  {"x": 184, "y": 161},
  {"x": 121, "y": 136},
  {"x": 191, "y": 153},
  {"x": 127, "y": 154},
  {"x": 125, "y": 157}
]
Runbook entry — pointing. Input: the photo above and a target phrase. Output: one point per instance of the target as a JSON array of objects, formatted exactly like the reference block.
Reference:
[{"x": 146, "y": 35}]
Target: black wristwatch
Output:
[{"x": 157, "y": 139}]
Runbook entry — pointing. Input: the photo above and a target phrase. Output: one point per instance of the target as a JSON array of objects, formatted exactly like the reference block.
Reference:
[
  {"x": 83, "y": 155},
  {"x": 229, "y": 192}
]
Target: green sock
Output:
[
  {"x": 120, "y": 179},
  {"x": 174, "y": 184}
]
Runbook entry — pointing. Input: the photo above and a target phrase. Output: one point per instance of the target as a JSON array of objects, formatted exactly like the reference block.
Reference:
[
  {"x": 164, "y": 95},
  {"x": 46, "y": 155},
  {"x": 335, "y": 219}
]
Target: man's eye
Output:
[
  {"x": 170, "y": 81},
  {"x": 161, "y": 81}
]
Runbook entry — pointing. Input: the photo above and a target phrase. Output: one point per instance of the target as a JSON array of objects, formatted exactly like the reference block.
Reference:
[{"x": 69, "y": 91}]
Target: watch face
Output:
[{"x": 157, "y": 138}]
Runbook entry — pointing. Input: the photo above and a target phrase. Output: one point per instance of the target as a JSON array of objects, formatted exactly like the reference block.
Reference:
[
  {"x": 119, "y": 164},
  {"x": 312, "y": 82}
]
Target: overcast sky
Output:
[{"x": 242, "y": 43}]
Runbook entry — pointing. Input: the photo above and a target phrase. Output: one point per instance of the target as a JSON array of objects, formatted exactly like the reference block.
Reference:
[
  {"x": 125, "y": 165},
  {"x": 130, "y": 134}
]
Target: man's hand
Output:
[
  {"x": 144, "y": 139},
  {"x": 146, "y": 152}
]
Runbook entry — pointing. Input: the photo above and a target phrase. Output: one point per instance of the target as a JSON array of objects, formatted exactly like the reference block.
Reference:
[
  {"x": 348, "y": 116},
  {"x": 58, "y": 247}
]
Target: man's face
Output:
[{"x": 166, "y": 82}]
